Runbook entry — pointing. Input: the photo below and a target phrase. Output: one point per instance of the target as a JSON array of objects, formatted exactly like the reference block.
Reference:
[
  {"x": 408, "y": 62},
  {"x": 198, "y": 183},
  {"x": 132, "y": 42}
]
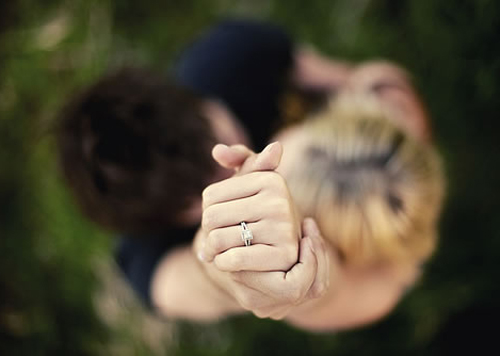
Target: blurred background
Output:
[{"x": 60, "y": 292}]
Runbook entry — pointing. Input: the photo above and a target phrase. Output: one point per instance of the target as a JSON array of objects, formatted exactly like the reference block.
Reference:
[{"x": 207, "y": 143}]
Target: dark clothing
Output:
[
  {"x": 244, "y": 64},
  {"x": 138, "y": 256}
]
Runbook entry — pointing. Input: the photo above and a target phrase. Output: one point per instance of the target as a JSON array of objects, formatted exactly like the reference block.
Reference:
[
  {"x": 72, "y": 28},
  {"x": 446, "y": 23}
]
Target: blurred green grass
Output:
[{"x": 53, "y": 263}]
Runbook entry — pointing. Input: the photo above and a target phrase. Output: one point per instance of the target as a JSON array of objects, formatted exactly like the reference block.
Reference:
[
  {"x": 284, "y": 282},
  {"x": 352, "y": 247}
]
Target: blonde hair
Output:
[{"x": 374, "y": 191}]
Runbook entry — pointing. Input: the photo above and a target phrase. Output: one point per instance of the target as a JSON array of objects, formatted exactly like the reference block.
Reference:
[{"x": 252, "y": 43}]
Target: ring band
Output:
[{"x": 246, "y": 234}]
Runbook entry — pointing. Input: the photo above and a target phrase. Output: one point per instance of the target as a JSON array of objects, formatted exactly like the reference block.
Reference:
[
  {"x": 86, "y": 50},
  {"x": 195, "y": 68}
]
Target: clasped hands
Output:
[{"x": 287, "y": 263}]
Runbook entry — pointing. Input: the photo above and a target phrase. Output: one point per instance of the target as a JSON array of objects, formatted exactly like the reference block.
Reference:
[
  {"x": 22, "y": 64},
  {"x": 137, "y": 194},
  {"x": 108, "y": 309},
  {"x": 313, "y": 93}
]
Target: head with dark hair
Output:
[{"x": 135, "y": 150}]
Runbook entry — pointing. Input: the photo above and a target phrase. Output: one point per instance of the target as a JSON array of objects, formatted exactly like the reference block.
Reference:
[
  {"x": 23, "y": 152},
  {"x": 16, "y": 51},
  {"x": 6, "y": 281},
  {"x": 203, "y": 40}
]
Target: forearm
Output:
[
  {"x": 181, "y": 288},
  {"x": 313, "y": 71}
]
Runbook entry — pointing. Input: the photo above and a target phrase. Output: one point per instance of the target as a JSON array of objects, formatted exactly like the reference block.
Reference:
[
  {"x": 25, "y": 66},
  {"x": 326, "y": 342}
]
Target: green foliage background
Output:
[{"x": 51, "y": 260}]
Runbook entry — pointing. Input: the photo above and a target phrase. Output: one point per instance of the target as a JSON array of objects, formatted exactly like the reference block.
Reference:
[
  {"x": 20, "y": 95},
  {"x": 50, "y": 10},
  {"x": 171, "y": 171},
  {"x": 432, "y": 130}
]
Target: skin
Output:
[
  {"x": 289, "y": 271},
  {"x": 277, "y": 272},
  {"x": 334, "y": 298},
  {"x": 227, "y": 284},
  {"x": 314, "y": 71}
]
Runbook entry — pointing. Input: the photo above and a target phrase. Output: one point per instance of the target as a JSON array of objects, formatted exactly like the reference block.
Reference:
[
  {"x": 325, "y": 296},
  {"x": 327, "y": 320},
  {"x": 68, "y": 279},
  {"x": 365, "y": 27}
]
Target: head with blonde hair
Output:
[{"x": 375, "y": 192}]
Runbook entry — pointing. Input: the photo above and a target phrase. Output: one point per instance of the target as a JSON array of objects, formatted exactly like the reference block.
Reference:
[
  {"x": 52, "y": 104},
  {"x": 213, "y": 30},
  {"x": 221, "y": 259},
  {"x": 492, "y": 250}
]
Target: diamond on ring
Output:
[{"x": 246, "y": 234}]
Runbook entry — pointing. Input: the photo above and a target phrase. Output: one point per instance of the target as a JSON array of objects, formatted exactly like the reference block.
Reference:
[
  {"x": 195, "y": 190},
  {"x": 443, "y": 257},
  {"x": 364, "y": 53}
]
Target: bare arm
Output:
[
  {"x": 313, "y": 71},
  {"x": 181, "y": 288}
]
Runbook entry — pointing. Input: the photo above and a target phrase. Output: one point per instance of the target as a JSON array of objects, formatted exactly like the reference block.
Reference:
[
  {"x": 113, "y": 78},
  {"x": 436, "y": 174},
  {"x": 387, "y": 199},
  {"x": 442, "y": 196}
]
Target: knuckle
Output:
[
  {"x": 261, "y": 178},
  {"x": 275, "y": 178},
  {"x": 206, "y": 195},
  {"x": 208, "y": 219},
  {"x": 280, "y": 207},
  {"x": 272, "y": 181},
  {"x": 260, "y": 314},
  {"x": 205, "y": 221},
  {"x": 214, "y": 242}
]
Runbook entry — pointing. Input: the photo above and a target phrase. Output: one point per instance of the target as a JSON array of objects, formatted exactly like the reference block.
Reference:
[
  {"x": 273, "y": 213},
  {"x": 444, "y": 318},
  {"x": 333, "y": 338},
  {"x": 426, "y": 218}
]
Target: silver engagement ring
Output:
[{"x": 246, "y": 234}]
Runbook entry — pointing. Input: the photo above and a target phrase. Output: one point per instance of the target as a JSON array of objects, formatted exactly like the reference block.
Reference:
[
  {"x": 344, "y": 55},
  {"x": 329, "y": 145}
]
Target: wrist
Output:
[{"x": 218, "y": 281}]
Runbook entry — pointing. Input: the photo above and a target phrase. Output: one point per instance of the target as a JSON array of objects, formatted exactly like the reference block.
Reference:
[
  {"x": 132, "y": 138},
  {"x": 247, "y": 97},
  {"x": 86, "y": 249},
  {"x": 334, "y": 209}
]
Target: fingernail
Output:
[
  {"x": 269, "y": 147},
  {"x": 265, "y": 152}
]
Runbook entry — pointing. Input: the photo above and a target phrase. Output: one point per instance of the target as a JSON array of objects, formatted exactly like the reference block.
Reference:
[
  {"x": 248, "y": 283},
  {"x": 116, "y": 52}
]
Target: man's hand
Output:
[{"x": 273, "y": 294}]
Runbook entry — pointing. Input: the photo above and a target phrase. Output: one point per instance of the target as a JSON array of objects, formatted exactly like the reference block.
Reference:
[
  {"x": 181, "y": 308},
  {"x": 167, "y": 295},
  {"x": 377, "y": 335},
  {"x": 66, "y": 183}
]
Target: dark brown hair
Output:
[{"x": 135, "y": 150}]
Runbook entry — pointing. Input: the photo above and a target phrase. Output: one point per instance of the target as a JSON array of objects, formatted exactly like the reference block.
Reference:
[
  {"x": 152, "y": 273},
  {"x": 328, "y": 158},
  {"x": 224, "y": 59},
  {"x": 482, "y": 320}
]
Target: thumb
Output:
[
  {"x": 321, "y": 282},
  {"x": 303, "y": 273},
  {"x": 267, "y": 160},
  {"x": 310, "y": 228},
  {"x": 231, "y": 157}
]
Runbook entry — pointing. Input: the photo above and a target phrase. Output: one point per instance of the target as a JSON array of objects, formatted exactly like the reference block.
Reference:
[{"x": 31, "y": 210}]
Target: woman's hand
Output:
[
  {"x": 262, "y": 201},
  {"x": 259, "y": 197}
]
